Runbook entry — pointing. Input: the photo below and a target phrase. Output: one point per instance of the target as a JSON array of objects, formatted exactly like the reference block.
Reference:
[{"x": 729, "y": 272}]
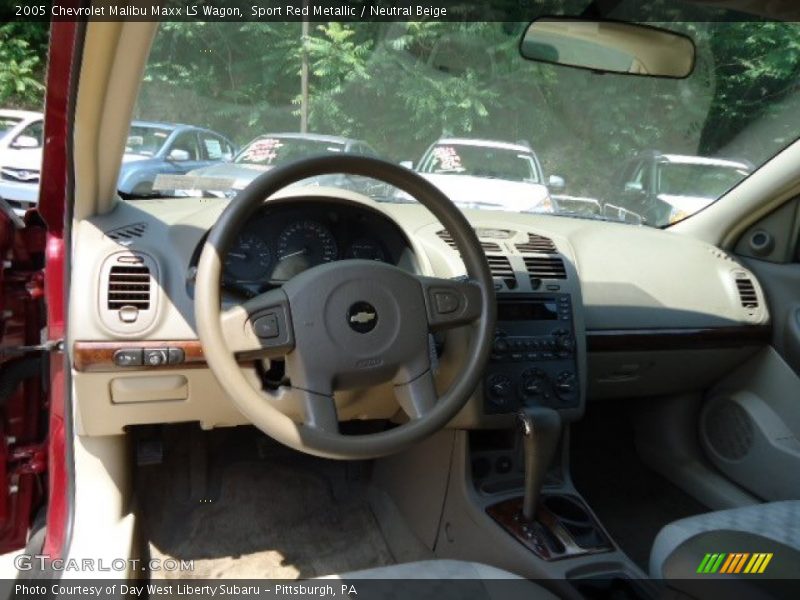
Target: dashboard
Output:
[
  {"x": 283, "y": 240},
  {"x": 587, "y": 309}
]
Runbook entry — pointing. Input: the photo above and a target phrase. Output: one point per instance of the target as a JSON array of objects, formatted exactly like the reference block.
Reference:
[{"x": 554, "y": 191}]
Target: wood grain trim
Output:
[
  {"x": 625, "y": 340},
  {"x": 99, "y": 356}
]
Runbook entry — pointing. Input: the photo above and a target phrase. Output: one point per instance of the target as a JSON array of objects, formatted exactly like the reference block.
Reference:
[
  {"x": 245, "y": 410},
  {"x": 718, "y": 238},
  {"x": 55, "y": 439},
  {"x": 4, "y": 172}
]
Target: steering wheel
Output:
[{"x": 343, "y": 325}]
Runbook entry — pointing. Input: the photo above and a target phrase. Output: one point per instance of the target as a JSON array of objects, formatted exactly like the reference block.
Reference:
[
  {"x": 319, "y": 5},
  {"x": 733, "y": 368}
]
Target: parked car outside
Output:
[
  {"x": 666, "y": 188},
  {"x": 167, "y": 148},
  {"x": 21, "y": 136},
  {"x": 273, "y": 149},
  {"x": 489, "y": 174}
]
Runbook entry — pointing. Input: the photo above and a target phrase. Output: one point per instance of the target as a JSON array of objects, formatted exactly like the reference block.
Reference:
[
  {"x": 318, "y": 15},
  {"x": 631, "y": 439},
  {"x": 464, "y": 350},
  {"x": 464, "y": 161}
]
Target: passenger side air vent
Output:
[
  {"x": 545, "y": 267},
  {"x": 747, "y": 291},
  {"x": 128, "y": 292},
  {"x": 129, "y": 286},
  {"x": 538, "y": 244},
  {"x": 501, "y": 268},
  {"x": 445, "y": 236},
  {"x": 127, "y": 233}
]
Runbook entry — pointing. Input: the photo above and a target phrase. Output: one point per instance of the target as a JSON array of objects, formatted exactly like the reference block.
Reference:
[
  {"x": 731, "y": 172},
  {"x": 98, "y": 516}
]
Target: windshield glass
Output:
[
  {"x": 274, "y": 150},
  {"x": 480, "y": 161},
  {"x": 145, "y": 140},
  {"x": 458, "y": 102}
]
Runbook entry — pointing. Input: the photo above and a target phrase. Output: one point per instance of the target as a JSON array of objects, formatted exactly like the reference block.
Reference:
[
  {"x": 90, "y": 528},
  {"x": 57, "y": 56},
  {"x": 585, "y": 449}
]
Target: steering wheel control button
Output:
[
  {"x": 175, "y": 356},
  {"x": 362, "y": 317},
  {"x": 155, "y": 357},
  {"x": 266, "y": 326},
  {"x": 446, "y": 302},
  {"x": 128, "y": 357}
]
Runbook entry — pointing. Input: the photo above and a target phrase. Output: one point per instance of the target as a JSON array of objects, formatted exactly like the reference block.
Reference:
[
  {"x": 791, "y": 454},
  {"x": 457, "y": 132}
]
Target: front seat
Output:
[
  {"x": 759, "y": 544},
  {"x": 456, "y": 579}
]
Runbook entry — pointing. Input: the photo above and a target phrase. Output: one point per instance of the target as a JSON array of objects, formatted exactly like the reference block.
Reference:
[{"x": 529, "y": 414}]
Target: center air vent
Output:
[
  {"x": 128, "y": 292},
  {"x": 545, "y": 267},
  {"x": 129, "y": 286},
  {"x": 747, "y": 291},
  {"x": 127, "y": 233},
  {"x": 537, "y": 244},
  {"x": 445, "y": 236},
  {"x": 501, "y": 268}
]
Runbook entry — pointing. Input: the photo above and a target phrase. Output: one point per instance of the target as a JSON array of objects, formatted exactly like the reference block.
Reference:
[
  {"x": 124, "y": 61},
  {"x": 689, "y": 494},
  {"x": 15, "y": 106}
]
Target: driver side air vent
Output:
[
  {"x": 128, "y": 294},
  {"x": 445, "y": 236},
  {"x": 545, "y": 267},
  {"x": 747, "y": 292},
  {"x": 128, "y": 232},
  {"x": 501, "y": 268},
  {"x": 129, "y": 286},
  {"x": 538, "y": 244}
]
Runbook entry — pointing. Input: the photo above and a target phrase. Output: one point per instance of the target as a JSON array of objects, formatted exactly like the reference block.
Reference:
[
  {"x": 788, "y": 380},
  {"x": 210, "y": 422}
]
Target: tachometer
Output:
[
  {"x": 306, "y": 244},
  {"x": 249, "y": 259}
]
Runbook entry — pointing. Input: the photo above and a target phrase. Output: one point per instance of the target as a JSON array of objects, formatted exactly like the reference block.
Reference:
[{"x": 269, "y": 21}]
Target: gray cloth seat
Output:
[
  {"x": 773, "y": 527},
  {"x": 454, "y": 579}
]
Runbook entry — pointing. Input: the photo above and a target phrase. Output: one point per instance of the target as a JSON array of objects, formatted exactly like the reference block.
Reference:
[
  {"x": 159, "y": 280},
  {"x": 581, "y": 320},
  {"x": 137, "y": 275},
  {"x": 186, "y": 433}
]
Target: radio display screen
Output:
[{"x": 540, "y": 310}]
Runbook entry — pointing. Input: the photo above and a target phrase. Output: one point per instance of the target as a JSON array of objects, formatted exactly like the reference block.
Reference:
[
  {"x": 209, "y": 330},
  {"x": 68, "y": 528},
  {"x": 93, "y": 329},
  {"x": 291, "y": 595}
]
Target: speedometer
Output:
[
  {"x": 306, "y": 244},
  {"x": 249, "y": 259}
]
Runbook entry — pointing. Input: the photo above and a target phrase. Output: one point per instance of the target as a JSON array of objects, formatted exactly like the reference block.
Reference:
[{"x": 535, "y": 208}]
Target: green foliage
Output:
[{"x": 22, "y": 48}]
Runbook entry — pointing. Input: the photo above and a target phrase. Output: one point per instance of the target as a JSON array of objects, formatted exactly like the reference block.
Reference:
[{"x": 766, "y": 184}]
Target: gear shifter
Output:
[{"x": 541, "y": 429}]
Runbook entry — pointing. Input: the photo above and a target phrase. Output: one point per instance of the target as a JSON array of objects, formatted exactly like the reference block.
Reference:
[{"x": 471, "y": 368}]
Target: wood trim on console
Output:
[
  {"x": 99, "y": 356},
  {"x": 623, "y": 340}
]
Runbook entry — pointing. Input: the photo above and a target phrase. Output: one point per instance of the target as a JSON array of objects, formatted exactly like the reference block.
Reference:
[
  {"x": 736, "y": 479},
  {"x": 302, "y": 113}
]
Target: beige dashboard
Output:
[{"x": 647, "y": 301}]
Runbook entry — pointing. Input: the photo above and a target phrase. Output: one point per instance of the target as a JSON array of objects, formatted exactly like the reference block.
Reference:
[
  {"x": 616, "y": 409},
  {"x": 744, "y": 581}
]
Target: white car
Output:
[
  {"x": 488, "y": 174},
  {"x": 21, "y": 139}
]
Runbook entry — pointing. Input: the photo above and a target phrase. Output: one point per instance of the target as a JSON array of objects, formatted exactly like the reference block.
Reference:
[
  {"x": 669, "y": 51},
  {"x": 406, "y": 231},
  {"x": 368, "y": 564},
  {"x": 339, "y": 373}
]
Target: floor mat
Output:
[
  {"x": 632, "y": 501},
  {"x": 269, "y": 513}
]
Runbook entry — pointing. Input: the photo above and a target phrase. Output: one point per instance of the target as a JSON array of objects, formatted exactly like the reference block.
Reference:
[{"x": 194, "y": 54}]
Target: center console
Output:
[{"x": 534, "y": 360}]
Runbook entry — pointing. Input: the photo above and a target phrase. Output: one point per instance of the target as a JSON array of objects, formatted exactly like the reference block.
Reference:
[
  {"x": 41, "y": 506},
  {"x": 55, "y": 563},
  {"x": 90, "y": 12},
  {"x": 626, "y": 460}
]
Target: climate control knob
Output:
[{"x": 499, "y": 390}]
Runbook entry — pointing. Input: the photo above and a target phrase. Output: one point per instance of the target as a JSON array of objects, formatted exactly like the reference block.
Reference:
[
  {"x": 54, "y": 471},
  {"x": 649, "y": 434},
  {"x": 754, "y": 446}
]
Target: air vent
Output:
[
  {"x": 445, "y": 236},
  {"x": 129, "y": 232},
  {"x": 747, "y": 292},
  {"x": 545, "y": 267},
  {"x": 537, "y": 243},
  {"x": 501, "y": 269},
  {"x": 129, "y": 292},
  {"x": 129, "y": 286}
]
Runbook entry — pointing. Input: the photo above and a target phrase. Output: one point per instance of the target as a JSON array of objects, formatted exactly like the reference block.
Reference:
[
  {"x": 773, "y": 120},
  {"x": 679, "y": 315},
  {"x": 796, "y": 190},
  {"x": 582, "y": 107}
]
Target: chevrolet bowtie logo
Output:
[{"x": 363, "y": 317}]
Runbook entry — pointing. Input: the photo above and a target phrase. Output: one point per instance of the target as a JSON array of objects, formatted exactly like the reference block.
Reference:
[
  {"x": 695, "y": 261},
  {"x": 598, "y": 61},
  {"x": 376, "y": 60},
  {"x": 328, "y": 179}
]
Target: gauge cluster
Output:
[{"x": 285, "y": 239}]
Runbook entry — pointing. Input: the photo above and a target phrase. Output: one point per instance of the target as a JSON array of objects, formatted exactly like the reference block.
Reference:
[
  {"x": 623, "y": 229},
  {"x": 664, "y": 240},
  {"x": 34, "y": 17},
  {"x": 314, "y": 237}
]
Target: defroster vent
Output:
[
  {"x": 445, "y": 236},
  {"x": 537, "y": 244}
]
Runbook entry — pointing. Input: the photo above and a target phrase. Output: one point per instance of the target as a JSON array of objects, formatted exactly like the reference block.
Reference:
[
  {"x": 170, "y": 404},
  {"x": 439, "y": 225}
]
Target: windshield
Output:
[
  {"x": 480, "y": 161},
  {"x": 145, "y": 140},
  {"x": 7, "y": 124},
  {"x": 274, "y": 150},
  {"x": 699, "y": 180},
  {"x": 404, "y": 88}
]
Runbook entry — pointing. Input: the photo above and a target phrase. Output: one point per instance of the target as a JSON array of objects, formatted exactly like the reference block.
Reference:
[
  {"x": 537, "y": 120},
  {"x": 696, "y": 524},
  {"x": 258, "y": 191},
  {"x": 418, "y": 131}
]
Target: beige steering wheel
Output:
[{"x": 346, "y": 324}]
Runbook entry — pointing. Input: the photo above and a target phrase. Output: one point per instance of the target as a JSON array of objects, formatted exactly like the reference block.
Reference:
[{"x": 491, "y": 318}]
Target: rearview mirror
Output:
[{"x": 609, "y": 47}]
